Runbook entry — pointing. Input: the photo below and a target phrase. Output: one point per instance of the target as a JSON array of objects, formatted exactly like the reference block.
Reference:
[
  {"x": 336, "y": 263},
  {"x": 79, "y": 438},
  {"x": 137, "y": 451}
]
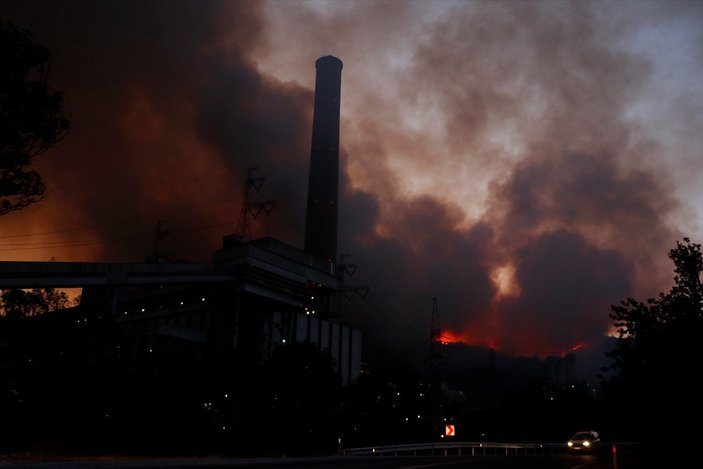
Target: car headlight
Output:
[
  {"x": 570, "y": 444},
  {"x": 586, "y": 444}
]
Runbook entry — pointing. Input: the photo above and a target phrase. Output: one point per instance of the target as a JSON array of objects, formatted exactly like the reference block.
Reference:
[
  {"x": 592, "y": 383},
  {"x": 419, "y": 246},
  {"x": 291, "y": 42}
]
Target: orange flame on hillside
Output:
[{"x": 450, "y": 337}]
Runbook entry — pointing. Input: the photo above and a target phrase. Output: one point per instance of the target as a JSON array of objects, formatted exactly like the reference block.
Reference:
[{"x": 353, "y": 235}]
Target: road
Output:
[{"x": 555, "y": 461}]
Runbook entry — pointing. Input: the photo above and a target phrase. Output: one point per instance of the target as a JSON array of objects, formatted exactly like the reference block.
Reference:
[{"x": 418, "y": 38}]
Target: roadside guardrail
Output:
[{"x": 459, "y": 449}]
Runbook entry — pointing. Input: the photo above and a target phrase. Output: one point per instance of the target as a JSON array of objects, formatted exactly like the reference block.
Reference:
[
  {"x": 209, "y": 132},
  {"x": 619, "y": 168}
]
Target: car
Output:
[{"x": 584, "y": 441}]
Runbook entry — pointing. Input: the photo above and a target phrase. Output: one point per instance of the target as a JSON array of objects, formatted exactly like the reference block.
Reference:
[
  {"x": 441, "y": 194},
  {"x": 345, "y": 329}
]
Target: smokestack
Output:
[{"x": 323, "y": 183}]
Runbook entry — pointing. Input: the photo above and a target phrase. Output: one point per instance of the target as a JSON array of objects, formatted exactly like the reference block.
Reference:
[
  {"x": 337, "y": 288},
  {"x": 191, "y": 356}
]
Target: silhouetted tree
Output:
[
  {"x": 31, "y": 117},
  {"x": 655, "y": 387},
  {"x": 24, "y": 303}
]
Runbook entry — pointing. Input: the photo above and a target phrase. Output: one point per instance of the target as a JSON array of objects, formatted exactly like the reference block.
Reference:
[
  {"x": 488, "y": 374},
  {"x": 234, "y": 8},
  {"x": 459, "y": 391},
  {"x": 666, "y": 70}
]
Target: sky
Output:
[{"x": 528, "y": 164}]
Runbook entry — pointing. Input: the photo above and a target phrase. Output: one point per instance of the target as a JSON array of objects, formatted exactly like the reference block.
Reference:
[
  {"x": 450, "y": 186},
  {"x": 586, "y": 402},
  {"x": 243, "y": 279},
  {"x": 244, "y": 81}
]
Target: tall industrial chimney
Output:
[{"x": 323, "y": 183}]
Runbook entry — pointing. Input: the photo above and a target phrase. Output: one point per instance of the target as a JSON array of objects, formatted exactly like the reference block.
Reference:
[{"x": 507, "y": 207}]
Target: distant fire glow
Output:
[
  {"x": 448, "y": 337},
  {"x": 573, "y": 349}
]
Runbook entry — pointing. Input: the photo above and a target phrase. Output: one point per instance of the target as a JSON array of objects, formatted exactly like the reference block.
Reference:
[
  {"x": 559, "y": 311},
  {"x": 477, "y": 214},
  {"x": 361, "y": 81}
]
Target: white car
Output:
[{"x": 584, "y": 441}]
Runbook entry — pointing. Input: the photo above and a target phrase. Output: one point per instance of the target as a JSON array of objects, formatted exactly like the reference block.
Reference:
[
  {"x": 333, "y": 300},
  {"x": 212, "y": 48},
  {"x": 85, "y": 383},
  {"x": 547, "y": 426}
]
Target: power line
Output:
[
  {"x": 89, "y": 242},
  {"x": 68, "y": 244},
  {"x": 110, "y": 225}
]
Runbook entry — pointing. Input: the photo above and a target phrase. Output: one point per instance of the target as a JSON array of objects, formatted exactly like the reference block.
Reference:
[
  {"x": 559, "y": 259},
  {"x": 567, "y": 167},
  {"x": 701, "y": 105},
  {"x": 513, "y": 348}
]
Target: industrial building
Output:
[{"x": 255, "y": 296}]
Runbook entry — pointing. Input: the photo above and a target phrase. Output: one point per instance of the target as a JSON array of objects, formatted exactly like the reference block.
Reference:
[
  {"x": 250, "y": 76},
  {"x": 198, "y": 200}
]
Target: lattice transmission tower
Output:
[{"x": 252, "y": 208}]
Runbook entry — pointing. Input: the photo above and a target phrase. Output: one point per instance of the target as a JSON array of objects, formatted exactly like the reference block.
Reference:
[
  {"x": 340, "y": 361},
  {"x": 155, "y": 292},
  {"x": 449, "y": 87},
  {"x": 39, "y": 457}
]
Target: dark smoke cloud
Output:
[
  {"x": 576, "y": 216},
  {"x": 564, "y": 283},
  {"x": 418, "y": 254},
  {"x": 265, "y": 123},
  {"x": 168, "y": 114},
  {"x": 479, "y": 137},
  {"x": 589, "y": 194}
]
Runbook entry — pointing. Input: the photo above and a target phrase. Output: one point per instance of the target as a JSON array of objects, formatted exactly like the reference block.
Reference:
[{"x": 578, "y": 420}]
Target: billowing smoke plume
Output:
[
  {"x": 495, "y": 154},
  {"x": 530, "y": 101},
  {"x": 169, "y": 113}
]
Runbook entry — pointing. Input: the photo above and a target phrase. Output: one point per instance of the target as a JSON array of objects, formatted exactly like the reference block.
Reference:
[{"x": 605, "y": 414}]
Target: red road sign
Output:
[{"x": 449, "y": 430}]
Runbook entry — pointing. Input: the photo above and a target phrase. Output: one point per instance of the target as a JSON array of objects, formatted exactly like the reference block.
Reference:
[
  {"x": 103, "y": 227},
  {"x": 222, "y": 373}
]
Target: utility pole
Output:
[
  {"x": 435, "y": 338},
  {"x": 435, "y": 375},
  {"x": 349, "y": 270}
]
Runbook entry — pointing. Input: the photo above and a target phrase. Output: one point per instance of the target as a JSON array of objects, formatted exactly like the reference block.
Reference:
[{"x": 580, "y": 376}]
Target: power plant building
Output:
[
  {"x": 275, "y": 296},
  {"x": 254, "y": 297}
]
